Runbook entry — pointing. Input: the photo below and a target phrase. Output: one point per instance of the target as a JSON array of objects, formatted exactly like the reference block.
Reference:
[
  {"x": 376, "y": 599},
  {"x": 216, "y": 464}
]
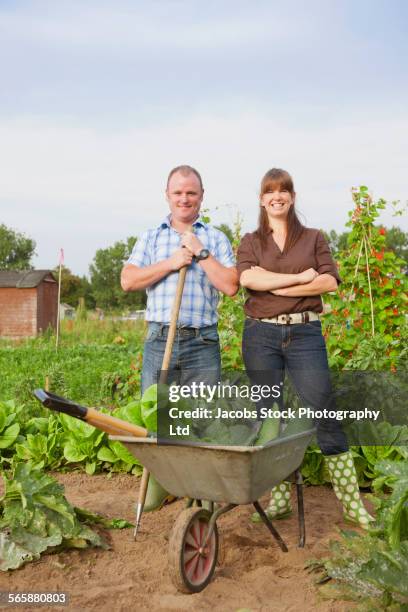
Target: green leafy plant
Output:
[
  {"x": 232, "y": 316},
  {"x": 118, "y": 458},
  {"x": 392, "y": 511},
  {"x": 81, "y": 442},
  {"x": 372, "y": 298},
  {"x": 36, "y": 517},
  {"x": 372, "y": 568},
  {"x": 9, "y": 426},
  {"x": 41, "y": 446}
]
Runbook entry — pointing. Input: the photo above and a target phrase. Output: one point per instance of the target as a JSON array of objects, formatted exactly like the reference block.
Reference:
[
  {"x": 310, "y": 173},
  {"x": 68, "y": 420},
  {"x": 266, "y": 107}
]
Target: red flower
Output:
[
  {"x": 379, "y": 255},
  {"x": 346, "y": 312},
  {"x": 398, "y": 282},
  {"x": 394, "y": 293},
  {"x": 395, "y": 311},
  {"x": 382, "y": 231}
]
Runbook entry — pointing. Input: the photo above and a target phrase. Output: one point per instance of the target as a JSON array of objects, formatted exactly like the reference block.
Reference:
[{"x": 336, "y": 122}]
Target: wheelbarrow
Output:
[{"x": 223, "y": 476}]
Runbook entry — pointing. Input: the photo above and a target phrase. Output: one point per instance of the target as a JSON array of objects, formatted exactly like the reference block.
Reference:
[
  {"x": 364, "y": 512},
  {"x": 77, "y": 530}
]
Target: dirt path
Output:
[{"x": 254, "y": 574}]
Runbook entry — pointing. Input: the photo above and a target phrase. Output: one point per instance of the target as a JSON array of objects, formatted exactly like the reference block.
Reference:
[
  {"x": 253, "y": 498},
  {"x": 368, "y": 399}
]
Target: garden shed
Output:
[
  {"x": 67, "y": 311},
  {"x": 28, "y": 302}
]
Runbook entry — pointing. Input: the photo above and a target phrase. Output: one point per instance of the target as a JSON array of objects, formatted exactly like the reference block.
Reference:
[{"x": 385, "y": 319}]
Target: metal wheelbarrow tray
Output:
[{"x": 229, "y": 474}]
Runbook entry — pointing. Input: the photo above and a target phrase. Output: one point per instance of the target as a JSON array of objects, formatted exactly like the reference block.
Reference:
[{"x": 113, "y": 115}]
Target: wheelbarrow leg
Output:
[
  {"x": 301, "y": 508},
  {"x": 214, "y": 516},
  {"x": 269, "y": 525}
]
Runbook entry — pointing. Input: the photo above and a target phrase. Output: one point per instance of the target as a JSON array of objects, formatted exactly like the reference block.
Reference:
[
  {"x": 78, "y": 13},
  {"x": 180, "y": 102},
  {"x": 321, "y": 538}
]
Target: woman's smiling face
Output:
[{"x": 277, "y": 201}]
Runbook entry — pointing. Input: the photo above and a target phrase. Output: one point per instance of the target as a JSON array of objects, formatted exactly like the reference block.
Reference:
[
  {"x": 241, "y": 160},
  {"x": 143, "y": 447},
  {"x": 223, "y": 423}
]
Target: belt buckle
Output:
[{"x": 287, "y": 319}]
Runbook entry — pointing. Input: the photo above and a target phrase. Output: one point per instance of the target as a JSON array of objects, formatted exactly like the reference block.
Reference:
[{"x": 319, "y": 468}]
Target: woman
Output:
[{"x": 286, "y": 267}]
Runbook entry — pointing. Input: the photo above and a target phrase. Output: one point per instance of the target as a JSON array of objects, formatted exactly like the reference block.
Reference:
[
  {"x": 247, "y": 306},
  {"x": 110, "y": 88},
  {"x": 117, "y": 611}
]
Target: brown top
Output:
[{"x": 310, "y": 251}]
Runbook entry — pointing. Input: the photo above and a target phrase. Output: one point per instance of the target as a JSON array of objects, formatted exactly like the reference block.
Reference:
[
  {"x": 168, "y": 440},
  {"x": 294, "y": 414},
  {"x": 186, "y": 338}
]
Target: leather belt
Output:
[{"x": 293, "y": 318}]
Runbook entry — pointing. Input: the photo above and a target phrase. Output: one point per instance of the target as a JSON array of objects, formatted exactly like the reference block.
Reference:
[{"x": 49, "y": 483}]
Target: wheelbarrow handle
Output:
[{"x": 107, "y": 423}]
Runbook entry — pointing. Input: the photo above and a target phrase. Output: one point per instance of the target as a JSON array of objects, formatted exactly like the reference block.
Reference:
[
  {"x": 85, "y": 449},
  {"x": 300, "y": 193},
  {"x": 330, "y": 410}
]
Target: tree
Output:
[
  {"x": 87, "y": 293},
  {"x": 74, "y": 287},
  {"x": 105, "y": 277},
  {"x": 337, "y": 242},
  {"x": 397, "y": 241},
  {"x": 16, "y": 250}
]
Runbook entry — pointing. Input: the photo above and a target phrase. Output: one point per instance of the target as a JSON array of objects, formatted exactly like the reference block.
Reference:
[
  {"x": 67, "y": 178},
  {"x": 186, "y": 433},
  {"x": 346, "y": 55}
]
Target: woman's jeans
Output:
[{"x": 271, "y": 349}]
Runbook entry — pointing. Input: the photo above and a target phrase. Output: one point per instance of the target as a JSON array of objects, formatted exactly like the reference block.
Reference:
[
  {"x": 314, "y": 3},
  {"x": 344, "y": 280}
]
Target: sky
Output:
[{"x": 100, "y": 99}]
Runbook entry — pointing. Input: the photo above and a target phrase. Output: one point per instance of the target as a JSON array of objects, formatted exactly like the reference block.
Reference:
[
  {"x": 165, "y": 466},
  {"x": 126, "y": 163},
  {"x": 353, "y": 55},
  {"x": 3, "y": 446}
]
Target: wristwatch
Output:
[{"x": 203, "y": 254}]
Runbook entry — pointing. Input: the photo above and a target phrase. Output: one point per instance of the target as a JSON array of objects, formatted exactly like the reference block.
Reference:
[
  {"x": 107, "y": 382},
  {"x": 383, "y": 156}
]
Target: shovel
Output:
[{"x": 162, "y": 380}]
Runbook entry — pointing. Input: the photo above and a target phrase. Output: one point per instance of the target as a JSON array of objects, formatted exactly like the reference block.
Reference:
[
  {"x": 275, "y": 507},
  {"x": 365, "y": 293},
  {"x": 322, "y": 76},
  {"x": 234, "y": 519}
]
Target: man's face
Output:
[{"x": 184, "y": 195}]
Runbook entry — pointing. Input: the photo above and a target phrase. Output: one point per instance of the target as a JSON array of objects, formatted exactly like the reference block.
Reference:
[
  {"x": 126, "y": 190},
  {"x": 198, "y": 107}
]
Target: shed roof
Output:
[{"x": 24, "y": 279}]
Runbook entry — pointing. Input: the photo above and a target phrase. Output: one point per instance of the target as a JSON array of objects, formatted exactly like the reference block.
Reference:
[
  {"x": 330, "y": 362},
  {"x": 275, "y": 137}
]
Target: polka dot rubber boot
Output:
[
  {"x": 280, "y": 505},
  {"x": 344, "y": 480}
]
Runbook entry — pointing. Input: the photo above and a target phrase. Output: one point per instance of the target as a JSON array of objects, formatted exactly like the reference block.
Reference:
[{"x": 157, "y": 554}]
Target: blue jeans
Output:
[
  {"x": 271, "y": 349},
  {"x": 195, "y": 355}
]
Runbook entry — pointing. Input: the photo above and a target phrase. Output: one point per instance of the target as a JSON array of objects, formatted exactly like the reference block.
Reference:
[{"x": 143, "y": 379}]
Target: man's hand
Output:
[
  {"x": 307, "y": 276},
  {"x": 192, "y": 243},
  {"x": 180, "y": 258}
]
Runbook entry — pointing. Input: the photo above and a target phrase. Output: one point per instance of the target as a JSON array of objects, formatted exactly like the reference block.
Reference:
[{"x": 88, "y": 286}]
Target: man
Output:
[
  {"x": 181, "y": 239},
  {"x": 154, "y": 265}
]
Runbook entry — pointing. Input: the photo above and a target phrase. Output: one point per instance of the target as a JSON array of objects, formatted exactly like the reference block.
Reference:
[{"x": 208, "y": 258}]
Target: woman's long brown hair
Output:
[{"x": 277, "y": 178}]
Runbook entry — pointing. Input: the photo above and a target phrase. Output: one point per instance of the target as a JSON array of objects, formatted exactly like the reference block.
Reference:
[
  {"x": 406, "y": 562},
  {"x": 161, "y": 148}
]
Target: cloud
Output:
[
  {"x": 123, "y": 26},
  {"x": 69, "y": 185}
]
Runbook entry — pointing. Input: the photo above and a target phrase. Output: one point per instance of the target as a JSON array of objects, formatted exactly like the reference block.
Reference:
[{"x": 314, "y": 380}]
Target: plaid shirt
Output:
[{"x": 200, "y": 299}]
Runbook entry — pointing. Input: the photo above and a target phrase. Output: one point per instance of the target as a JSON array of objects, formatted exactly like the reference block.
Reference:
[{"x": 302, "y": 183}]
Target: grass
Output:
[{"x": 97, "y": 363}]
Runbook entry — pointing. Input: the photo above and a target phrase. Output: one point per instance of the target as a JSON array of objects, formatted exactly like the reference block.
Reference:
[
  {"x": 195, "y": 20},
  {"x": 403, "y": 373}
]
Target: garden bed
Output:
[{"x": 254, "y": 574}]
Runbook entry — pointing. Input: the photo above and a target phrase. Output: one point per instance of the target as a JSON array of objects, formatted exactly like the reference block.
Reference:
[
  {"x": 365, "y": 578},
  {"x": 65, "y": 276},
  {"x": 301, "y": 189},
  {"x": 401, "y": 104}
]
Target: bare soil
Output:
[{"x": 253, "y": 574}]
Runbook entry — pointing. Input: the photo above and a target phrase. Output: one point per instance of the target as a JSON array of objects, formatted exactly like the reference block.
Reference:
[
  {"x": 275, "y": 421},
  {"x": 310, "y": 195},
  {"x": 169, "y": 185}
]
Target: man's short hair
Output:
[{"x": 185, "y": 171}]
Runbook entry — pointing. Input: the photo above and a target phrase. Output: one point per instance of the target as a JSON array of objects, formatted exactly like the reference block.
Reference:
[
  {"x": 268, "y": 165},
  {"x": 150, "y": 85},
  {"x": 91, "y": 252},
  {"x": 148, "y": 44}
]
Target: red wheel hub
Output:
[{"x": 198, "y": 558}]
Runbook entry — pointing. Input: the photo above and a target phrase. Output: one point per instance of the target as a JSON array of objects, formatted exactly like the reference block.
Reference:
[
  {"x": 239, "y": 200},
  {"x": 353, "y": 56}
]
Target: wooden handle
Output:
[
  {"x": 173, "y": 321},
  {"x": 113, "y": 431},
  {"x": 143, "y": 485},
  {"x": 100, "y": 420}
]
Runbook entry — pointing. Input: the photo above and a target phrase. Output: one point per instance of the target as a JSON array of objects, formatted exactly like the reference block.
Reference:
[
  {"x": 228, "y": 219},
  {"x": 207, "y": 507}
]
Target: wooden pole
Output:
[{"x": 59, "y": 300}]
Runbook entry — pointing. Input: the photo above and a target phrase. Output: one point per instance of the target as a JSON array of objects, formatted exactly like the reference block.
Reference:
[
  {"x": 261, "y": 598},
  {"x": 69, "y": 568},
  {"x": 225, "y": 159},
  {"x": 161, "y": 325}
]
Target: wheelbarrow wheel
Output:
[{"x": 191, "y": 564}]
